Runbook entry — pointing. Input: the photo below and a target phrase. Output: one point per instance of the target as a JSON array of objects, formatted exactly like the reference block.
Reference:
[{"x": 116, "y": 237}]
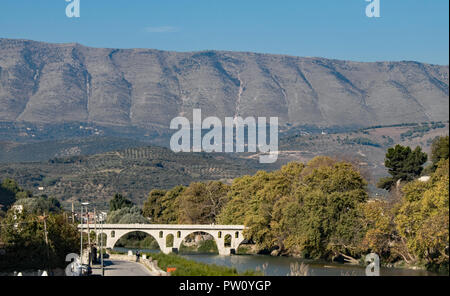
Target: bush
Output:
[
  {"x": 185, "y": 267},
  {"x": 204, "y": 247},
  {"x": 126, "y": 215},
  {"x": 25, "y": 245}
]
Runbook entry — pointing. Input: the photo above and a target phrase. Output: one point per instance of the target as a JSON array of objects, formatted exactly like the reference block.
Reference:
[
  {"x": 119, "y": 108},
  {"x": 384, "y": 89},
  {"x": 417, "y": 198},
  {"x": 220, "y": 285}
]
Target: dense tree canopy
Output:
[
  {"x": 310, "y": 210},
  {"x": 380, "y": 228},
  {"x": 439, "y": 150},
  {"x": 416, "y": 228},
  {"x": 126, "y": 215},
  {"x": 40, "y": 204},
  {"x": 153, "y": 206},
  {"x": 8, "y": 190},
  {"x": 162, "y": 206},
  {"x": 123, "y": 211},
  {"x": 118, "y": 202},
  {"x": 403, "y": 164},
  {"x": 24, "y": 241},
  {"x": 11, "y": 193},
  {"x": 423, "y": 218},
  {"x": 170, "y": 205},
  {"x": 200, "y": 203}
]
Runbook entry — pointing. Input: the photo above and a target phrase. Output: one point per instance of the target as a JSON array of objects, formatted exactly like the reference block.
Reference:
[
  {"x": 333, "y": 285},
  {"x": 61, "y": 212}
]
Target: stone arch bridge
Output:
[{"x": 160, "y": 232}]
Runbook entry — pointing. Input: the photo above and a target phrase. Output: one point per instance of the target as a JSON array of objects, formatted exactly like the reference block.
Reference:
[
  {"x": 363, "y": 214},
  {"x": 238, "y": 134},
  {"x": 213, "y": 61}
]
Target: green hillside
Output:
[{"x": 133, "y": 172}]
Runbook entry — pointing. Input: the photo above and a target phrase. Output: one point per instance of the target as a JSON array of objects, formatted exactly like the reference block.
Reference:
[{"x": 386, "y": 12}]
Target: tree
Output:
[
  {"x": 118, "y": 202},
  {"x": 260, "y": 214},
  {"x": 329, "y": 217},
  {"x": 126, "y": 215},
  {"x": 403, "y": 164},
  {"x": 24, "y": 239},
  {"x": 439, "y": 150},
  {"x": 311, "y": 210},
  {"x": 63, "y": 238},
  {"x": 170, "y": 205},
  {"x": 380, "y": 229},
  {"x": 40, "y": 205},
  {"x": 201, "y": 203},
  {"x": 8, "y": 190},
  {"x": 153, "y": 207},
  {"x": 423, "y": 219}
]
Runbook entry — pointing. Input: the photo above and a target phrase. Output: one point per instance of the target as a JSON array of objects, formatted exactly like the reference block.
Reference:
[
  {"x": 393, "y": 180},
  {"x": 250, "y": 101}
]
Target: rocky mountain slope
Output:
[{"x": 53, "y": 83}]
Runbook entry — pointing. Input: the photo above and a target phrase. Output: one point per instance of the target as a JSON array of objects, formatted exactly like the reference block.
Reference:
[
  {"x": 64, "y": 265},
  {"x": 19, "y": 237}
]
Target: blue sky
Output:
[{"x": 407, "y": 29}]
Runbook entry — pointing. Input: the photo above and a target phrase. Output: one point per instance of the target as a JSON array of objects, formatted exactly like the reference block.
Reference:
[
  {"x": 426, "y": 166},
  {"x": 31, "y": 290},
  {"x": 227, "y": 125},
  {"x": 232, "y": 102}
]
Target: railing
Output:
[{"x": 167, "y": 226}]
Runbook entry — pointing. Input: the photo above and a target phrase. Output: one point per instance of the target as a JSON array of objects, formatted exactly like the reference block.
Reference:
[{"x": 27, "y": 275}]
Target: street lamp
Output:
[
  {"x": 102, "y": 218},
  {"x": 81, "y": 230}
]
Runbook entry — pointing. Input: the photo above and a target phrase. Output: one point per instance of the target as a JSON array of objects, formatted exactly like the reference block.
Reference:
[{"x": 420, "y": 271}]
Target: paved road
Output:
[{"x": 122, "y": 268}]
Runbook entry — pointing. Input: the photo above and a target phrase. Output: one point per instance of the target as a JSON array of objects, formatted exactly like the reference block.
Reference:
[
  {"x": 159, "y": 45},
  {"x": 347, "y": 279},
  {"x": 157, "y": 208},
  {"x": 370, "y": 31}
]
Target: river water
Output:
[{"x": 280, "y": 266}]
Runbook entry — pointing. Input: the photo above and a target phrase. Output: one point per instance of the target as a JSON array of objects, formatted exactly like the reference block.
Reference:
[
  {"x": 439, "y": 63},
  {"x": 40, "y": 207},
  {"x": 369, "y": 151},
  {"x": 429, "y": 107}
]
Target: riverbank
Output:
[
  {"x": 281, "y": 265},
  {"x": 186, "y": 267},
  {"x": 175, "y": 265},
  {"x": 205, "y": 245}
]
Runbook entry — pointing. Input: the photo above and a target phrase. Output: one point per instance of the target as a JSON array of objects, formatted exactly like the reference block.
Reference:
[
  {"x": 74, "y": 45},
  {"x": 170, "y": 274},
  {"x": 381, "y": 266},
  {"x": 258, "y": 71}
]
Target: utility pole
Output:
[
  {"x": 46, "y": 238},
  {"x": 96, "y": 234},
  {"x": 101, "y": 245},
  {"x": 95, "y": 225},
  {"x": 81, "y": 247},
  {"x": 89, "y": 237},
  {"x": 81, "y": 234},
  {"x": 89, "y": 234},
  {"x": 73, "y": 214}
]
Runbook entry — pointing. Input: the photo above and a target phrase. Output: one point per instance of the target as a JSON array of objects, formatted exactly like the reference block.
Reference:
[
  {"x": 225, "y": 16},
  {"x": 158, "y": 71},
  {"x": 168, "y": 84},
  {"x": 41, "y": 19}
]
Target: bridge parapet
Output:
[{"x": 168, "y": 226}]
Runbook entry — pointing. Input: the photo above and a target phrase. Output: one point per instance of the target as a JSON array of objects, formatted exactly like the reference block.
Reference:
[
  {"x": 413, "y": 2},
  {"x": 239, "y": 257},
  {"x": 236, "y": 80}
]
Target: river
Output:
[{"x": 280, "y": 266}]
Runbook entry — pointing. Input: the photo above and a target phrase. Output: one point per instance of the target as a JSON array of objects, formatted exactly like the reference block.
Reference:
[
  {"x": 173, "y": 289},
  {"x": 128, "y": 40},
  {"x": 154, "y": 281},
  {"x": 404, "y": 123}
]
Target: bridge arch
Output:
[
  {"x": 111, "y": 241},
  {"x": 185, "y": 234},
  {"x": 219, "y": 236}
]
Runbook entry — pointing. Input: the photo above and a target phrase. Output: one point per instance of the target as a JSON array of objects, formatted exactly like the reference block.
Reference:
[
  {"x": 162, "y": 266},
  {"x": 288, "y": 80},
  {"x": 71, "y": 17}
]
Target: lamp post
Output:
[
  {"x": 102, "y": 217},
  {"x": 96, "y": 234},
  {"x": 81, "y": 229},
  {"x": 95, "y": 226},
  {"x": 81, "y": 234}
]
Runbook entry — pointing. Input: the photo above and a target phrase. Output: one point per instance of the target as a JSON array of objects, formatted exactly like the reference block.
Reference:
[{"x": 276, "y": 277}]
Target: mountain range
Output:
[{"x": 54, "y": 83}]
